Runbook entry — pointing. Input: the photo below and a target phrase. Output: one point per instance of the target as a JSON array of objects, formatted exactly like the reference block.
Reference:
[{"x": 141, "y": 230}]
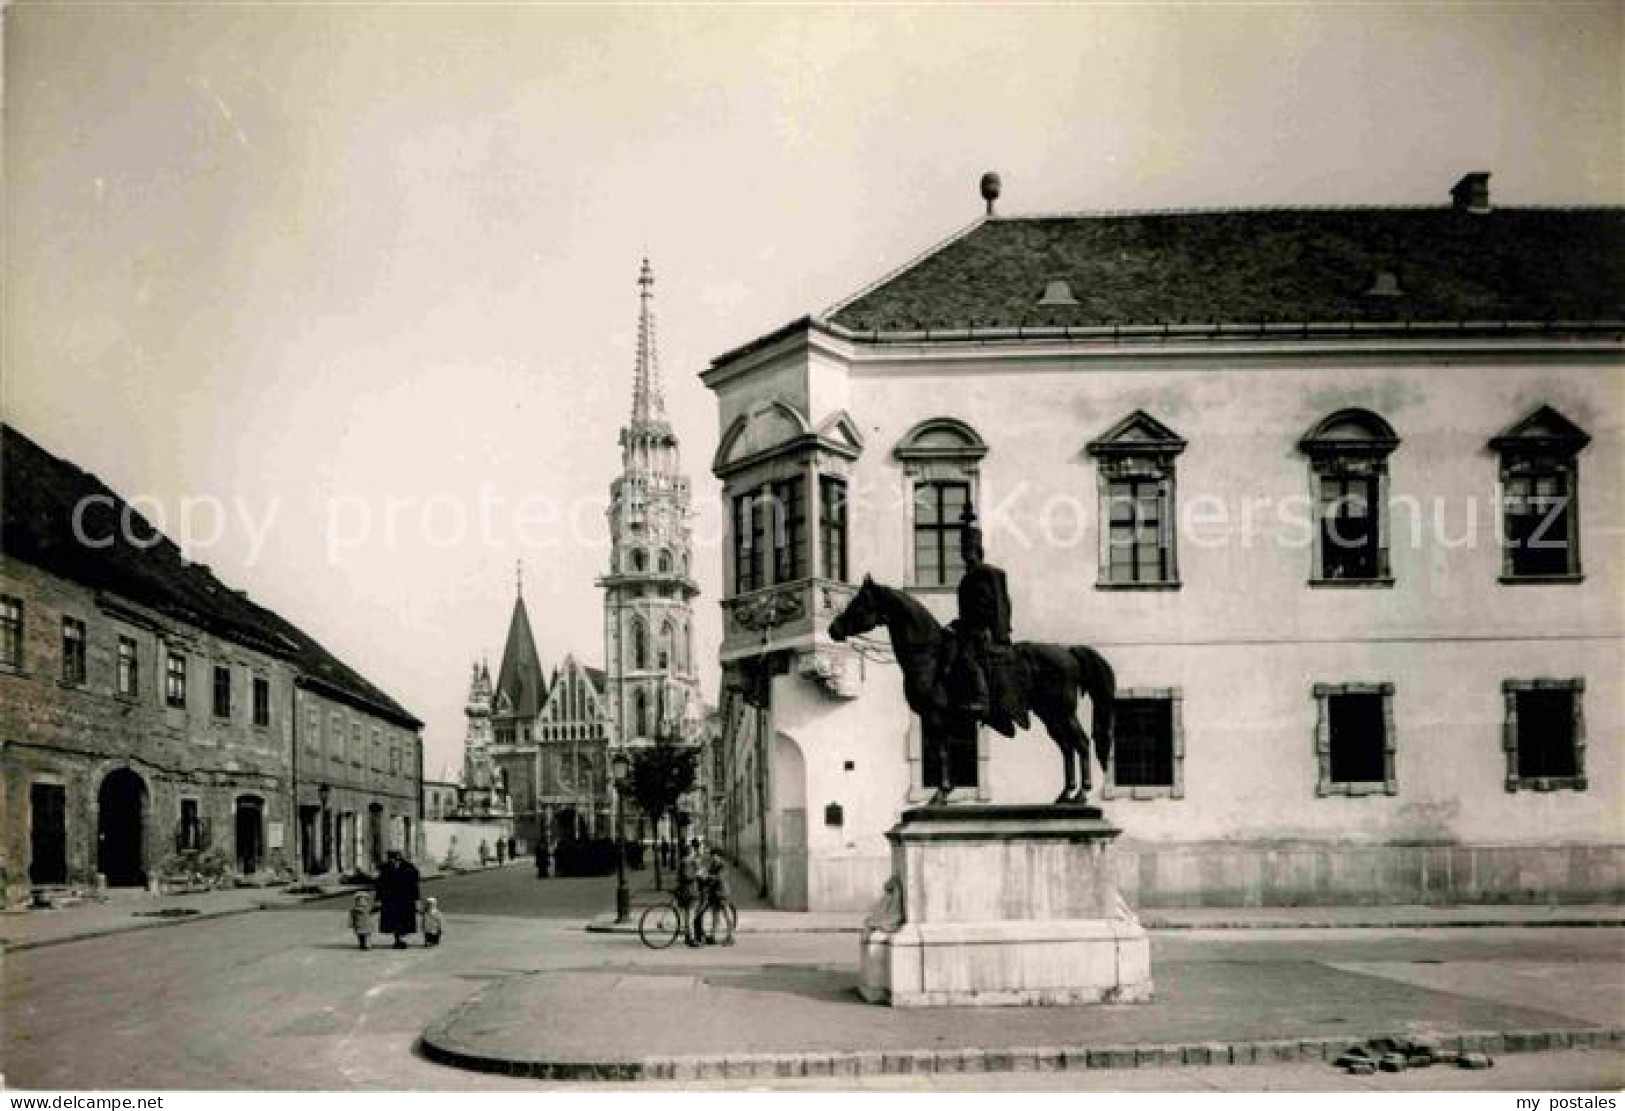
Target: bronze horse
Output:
[{"x": 1059, "y": 674}]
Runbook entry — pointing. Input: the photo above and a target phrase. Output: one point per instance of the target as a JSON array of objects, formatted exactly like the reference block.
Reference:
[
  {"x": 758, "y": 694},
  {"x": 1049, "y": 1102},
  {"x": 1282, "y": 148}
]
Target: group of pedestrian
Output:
[
  {"x": 397, "y": 907},
  {"x": 702, "y": 882}
]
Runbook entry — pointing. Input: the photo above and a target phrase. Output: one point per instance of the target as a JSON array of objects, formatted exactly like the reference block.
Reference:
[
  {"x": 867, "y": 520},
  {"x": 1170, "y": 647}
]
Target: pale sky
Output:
[{"x": 320, "y": 262}]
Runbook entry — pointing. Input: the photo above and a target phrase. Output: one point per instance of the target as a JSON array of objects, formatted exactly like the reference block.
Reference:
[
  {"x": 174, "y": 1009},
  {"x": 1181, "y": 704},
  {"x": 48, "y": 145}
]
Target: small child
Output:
[
  {"x": 432, "y": 923},
  {"x": 361, "y": 916}
]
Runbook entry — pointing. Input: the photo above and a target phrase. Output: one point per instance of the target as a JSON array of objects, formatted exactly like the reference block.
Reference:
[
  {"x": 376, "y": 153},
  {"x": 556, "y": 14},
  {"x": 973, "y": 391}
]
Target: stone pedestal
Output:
[{"x": 1003, "y": 905}]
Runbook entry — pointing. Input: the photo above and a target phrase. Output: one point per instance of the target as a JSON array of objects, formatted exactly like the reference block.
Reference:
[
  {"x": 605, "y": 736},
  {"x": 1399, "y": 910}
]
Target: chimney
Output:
[
  {"x": 990, "y": 190},
  {"x": 1472, "y": 193}
]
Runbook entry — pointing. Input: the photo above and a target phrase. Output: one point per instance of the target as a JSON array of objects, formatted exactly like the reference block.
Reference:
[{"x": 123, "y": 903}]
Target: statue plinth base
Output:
[{"x": 1003, "y": 906}]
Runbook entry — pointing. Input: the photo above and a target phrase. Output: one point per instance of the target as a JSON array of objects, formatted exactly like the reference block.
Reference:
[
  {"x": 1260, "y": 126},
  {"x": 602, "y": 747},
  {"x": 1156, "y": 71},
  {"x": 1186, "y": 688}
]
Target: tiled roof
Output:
[
  {"x": 39, "y": 493},
  {"x": 1259, "y": 266}
]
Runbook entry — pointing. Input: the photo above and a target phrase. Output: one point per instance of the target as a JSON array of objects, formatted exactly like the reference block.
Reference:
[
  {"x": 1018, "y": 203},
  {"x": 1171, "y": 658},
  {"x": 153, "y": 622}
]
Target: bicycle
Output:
[{"x": 661, "y": 924}]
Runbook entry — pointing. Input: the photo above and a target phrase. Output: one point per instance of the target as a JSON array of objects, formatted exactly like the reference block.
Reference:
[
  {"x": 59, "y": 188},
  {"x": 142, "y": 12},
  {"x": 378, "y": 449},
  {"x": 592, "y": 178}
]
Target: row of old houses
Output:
[{"x": 155, "y": 723}]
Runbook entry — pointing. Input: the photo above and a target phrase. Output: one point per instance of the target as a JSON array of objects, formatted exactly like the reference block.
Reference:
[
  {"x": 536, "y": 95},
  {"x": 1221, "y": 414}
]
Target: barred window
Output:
[
  {"x": 1544, "y": 736},
  {"x": 1147, "y": 756}
]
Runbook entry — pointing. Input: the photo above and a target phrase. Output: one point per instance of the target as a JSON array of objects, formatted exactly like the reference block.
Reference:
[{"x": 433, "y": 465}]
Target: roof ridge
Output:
[
  {"x": 832, "y": 310},
  {"x": 1225, "y": 210}
]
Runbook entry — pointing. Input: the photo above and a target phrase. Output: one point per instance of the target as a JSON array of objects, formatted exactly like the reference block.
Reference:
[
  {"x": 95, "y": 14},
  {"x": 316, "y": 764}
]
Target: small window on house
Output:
[
  {"x": 1136, "y": 465},
  {"x": 832, "y": 527},
  {"x": 1540, "y": 511},
  {"x": 1354, "y": 739},
  {"x": 11, "y": 631},
  {"x": 73, "y": 650},
  {"x": 262, "y": 701},
  {"x": 128, "y": 676},
  {"x": 749, "y": 542},
  {"x": 1348, "y": 458},
  {"x": 1544, "y": 736},
  {"x": 1148, "y": 745},
  {"x": 175, "y": 680},
  {"x": 357, "y": 757},
  {"x": 189, "y": 830},
  {"x": 222, "y": 691},
  {"x": 313, "y": 729},
  {"x": 377, "y": 751},
  {"x": 789, "y": 504}
]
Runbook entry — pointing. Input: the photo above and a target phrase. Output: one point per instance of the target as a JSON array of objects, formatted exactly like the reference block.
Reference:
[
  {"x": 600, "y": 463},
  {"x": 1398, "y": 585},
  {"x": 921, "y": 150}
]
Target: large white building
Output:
[{"x": 1335, "y": 491}]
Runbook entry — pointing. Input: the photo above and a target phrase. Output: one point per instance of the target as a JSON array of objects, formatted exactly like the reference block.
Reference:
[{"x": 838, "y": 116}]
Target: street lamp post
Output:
[{"x": 620, "y": 766}]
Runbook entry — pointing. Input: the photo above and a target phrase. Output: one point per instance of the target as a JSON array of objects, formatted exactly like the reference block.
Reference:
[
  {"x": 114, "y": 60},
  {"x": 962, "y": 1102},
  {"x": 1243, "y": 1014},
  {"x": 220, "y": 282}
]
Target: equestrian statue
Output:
[{"x": 970, "y": 673}]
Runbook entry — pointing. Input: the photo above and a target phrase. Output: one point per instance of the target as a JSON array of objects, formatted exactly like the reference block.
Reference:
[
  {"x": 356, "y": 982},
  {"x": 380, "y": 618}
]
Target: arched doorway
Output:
[
  {"x": 250, "y": 826},
  {"x": 121, "y": 825}
]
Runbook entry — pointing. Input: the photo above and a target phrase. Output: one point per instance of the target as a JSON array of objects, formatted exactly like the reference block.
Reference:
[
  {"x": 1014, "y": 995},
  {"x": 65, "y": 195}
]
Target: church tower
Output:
[{"x": 652, "y": 684}]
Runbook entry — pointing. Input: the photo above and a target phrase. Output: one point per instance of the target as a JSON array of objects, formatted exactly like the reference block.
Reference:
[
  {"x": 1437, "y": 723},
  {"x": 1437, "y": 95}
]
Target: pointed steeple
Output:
[
  {"x": 648, "y": 403},
  {"x": 520, "y": 688}
]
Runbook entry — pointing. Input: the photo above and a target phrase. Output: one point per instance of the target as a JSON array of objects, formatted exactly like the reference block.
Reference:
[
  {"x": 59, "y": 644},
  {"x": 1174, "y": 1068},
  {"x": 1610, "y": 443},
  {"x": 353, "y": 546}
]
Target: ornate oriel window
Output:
[
  {"x": 1147, "y": 759},
  {"x": 1354, "y": 739},
  {"x": 1138, "y": 525},
  {"x": 832, "y": 523},
  {"x": 1348, "y": 461},
  {"x": 1544, "y": 734},
  {"x": 1540, "y": 533},
  {"x": 941, "y": 460}
]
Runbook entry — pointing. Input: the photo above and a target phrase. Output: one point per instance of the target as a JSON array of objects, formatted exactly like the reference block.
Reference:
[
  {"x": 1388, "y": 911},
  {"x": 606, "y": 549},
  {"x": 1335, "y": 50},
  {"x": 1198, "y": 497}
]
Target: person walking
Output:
[
  {"x": 433, "y": 924},
  {"x": 361, "y": 915},
  {"x": 398, "y": 896}
]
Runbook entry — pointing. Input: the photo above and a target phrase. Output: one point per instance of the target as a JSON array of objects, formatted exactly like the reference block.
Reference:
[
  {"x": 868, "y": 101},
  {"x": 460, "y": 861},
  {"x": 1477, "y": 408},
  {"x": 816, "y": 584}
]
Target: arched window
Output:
[
  {"x": 1540, "y": 473},
  {"x": 640, "y": 646},
  {"x": 1348, "y": 461},
  {"x": 663, "y": 564},
  {"x": 640, "y": 714},
  {"x": 940, "y": 459},
  {"x": 688, "y": 647},
  {"x": 665, "y": 646},
  {"x": 637, "y": 560}
]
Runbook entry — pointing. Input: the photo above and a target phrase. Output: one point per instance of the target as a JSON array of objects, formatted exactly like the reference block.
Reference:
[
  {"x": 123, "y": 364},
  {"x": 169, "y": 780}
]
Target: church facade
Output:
[
  {"x": 1332, "y": 490},
  {"x": 553, "y": 737}
]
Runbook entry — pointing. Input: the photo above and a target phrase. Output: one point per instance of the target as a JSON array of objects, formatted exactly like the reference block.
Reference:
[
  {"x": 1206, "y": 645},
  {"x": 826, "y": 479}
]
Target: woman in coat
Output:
[{"x": 397, "y": 898}]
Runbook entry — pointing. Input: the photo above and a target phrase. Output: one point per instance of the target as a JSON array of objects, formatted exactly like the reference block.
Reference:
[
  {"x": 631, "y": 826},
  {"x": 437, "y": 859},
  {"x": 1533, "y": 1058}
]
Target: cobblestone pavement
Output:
[{"x": 282, "y": 999}]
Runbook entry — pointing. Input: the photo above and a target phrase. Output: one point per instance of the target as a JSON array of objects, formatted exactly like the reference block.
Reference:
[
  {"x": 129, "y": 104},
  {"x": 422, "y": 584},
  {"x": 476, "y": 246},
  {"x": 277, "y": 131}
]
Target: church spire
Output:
[{"x": 648, "y": 405}]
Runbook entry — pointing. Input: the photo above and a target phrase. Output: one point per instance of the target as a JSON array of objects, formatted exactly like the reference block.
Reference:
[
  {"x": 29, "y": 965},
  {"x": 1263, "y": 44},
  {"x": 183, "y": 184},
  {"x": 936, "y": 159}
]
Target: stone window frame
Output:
[
  {"x": 1389, "y": 783},
  {"x": 920, "y": 791},
  {"x": 256, "y": 684},
  {"x": 1342, "y": 458},
  {"x": 1175, "y": 696},
  {"x": 175, "y": 678},
  {"x": 1138, "y": 447},
  {"x": 13, "y": 632},
  {"x": 1544, "y": 442},
  {"x": 131, "y": 690},
  {"x": 75, "y": 661},
  {"x": 1510, "y": 689},
  {"x": 215, "y": 702},
  {"x": 929, "y": 455}
]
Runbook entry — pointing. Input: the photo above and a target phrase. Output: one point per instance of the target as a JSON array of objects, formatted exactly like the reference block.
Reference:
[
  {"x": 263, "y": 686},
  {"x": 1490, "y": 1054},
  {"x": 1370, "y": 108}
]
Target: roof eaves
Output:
[{"x": 828, "y": 315}]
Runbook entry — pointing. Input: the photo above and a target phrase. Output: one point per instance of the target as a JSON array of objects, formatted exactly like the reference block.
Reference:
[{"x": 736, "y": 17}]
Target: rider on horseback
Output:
[{"x": 984, "y": 677}]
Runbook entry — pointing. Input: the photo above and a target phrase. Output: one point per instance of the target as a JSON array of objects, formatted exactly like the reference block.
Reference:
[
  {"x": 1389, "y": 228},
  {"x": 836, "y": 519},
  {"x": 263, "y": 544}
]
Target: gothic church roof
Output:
[{"x": 521, "y": 687}]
